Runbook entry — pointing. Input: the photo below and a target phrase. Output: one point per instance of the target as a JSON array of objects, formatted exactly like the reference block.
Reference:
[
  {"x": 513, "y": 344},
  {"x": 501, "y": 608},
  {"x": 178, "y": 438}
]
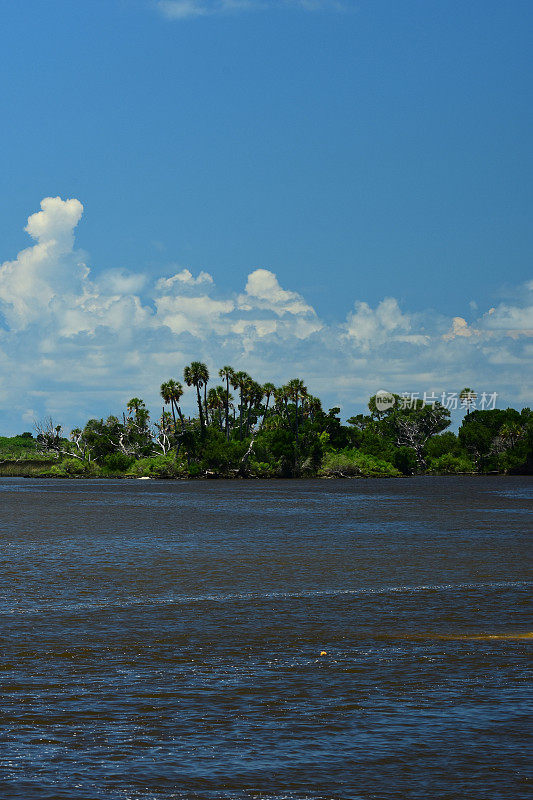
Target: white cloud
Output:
[
  {"x": 264, "y": 292},
  {"x": 507, "y": 319},
  {"x": 182, "y": 9},
  {"x": 188, "y": 9},
  {"x": 266, "y": 308},
  {"x": 55, "y": 222},
  {"x": 199, "y": 316},
  {"x": 370, "y": 328},
  {"x": 459, "y": 327},
  {"x": 512, "y": 320},
  {"x": 75, "y": 345},
  {"x": 49, "y": 269},
  {"x": 183, "y": 278},
  {"x": 121, "y": 281}
]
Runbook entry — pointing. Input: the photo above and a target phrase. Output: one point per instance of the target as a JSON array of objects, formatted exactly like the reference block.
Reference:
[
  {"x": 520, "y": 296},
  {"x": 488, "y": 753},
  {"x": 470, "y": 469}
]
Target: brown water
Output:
[{"x": 164, "y": 639}]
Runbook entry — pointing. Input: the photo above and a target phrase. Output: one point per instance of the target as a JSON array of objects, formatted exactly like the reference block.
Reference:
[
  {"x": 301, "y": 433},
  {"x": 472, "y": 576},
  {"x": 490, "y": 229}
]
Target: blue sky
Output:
[{"x": 357, "y": 151}]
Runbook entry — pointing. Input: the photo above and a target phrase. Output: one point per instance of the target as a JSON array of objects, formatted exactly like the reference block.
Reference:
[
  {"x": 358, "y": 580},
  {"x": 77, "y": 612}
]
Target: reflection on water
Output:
[
  {"x": 307, "y": 640},
  {"x": 450, "y": 637}
]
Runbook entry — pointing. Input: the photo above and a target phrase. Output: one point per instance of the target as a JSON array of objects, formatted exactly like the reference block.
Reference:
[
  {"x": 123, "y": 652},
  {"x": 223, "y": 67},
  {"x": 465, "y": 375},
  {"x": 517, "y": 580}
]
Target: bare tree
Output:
[{"x": 49, "y": 439}]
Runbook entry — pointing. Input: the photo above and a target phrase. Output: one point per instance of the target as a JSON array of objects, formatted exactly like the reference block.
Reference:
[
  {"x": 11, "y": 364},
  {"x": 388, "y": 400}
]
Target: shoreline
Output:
[{"x": 199, "y": 478}]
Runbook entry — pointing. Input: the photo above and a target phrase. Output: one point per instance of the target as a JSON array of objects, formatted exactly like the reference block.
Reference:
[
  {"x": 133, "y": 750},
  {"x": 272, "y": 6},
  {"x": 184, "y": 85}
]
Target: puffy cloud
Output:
[
  {"x": 199, "y": 316},
  {"x": 370, "y": 328},
  {"x": 263, "y": 291},
  {"x": 460, "y": 327},
  {"x": 184, "y": 306},
  {"x": 121, "y": 281},
  {"x": 55, "y": 222},
  {"x": 49, "y": 269},
  {"x": 74, "y": 345},
  {"x": 118, "y": 314},
  {"x": 266, "y": 308}
]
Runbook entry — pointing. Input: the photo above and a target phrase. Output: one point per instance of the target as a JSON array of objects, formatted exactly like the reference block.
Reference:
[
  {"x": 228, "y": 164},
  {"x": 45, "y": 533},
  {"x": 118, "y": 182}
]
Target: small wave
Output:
[{"x": 181, "y": 599}]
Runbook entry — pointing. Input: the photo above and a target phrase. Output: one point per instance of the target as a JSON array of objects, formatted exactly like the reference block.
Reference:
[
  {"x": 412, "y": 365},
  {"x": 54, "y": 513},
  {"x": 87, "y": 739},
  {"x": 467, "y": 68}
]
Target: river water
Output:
[{"x": 295, "y": 640}]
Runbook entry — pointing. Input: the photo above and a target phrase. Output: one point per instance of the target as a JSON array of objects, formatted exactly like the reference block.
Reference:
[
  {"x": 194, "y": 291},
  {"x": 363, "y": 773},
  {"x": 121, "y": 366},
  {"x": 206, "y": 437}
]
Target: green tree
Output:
[
  {"x": 268, "y": 391},
  {"x": 296, "y": 391},
  {"x": 227, "y": 374},
  {"x": 172, "y": 392},
  {"x": 414, "y": 426},
  {"x": 197, "y": 375},
  {"x": 239, "y": 380}
]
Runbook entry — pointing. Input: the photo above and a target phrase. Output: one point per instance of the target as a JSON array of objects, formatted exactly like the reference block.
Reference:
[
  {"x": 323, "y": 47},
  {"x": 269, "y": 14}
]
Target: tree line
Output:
[{"x": 251, "y": 429}]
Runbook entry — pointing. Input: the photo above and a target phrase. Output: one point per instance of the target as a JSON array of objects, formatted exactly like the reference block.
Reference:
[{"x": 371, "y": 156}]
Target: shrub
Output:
[
  {"x": 260, "y": 469},
  {"x": 117, "y": 462},
  {"x": 17, "y": 446},
  {"x": 219, "y": 455},
  {"x": 404, "y": 459},
  {"x": 154, "y": 467},
  {"x": 449, "y": 464},
  {"x": 74, "y": 468},
  {"x": 443, "y": 444},
  {"x": 353, "y": 463},
  {"x": 194, "y": 470}
]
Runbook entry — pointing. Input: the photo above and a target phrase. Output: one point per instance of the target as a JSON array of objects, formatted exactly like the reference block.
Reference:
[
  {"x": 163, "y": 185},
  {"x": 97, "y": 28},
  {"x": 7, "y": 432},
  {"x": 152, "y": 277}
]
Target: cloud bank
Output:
[{"x": 74, "y": 344}]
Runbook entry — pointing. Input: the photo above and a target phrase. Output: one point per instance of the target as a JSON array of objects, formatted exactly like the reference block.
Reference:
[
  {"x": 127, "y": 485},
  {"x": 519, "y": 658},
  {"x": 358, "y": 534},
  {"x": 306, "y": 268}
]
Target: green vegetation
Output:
[
  {"x": 353, "y": 463},
  {"x": 20, "y": 456},
  {"x": 246, "y": 429}
]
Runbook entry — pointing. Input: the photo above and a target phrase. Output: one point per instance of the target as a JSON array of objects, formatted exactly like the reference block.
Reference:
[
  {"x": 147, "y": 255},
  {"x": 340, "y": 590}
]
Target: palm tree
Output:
[
  {"x": 268, "y": 391},
  {"x": 312, "y": 406},
  {"x": 254, "y": 395},
  {"x": 296, "y": 389},
  {"x": 281, "y": 398},
  {"x": 197, "y": 375},
  {"x": 227, "y": 374},
  {"x": 239, "y": 381},
  {"x": 216, "y": 401},
  {"x": 166, "y": 394},
  {"x": 171, "y": 392},
  {"x": 205, "y": 377},
  {"x": 142, "y": 414},
  {"x": 134, "y": 405}
]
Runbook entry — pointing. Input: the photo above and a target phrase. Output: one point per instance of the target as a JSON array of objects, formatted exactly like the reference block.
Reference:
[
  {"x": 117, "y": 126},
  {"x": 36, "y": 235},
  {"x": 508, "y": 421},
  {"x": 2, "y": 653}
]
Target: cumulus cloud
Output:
[
  {"x": 460, "y": 327},
  {"x": 199, "y": 316},
  {"x": 371, "y": 328},
  {"x": 263, "y": 291},
  {"x": 55, "y": 222},
  {"x": 75, "y": 344},
  {"x": 121, "y": 281},
  {"x": 29, "y": 284},
  {"x": 266, "y": 308}
]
